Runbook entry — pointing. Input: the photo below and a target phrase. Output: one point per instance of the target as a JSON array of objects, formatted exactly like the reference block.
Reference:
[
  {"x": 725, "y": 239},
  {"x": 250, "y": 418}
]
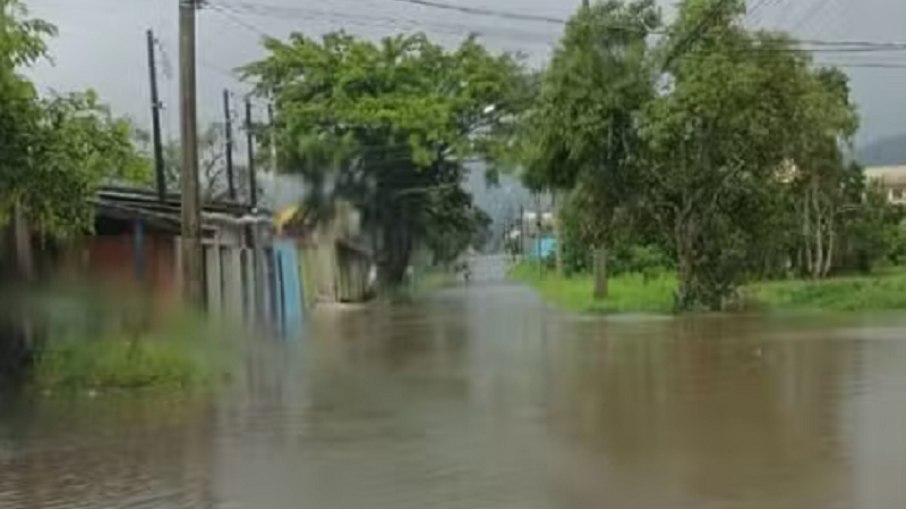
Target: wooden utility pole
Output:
[
  {"x": 250, "y": 137},
  {"x": 190, "y": 243},
  {"x": 228, "y": 127},
  {"x": 272, "y": 132},
  {"x": 273, "y": 135},
  {"x": 155, "y": 122}
]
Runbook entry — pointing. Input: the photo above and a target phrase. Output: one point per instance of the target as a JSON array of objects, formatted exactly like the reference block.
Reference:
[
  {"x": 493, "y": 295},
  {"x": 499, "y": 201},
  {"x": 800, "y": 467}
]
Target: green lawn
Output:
[
  {"x": 885, "y": 290},
  {"x": 632, "y": 293}
]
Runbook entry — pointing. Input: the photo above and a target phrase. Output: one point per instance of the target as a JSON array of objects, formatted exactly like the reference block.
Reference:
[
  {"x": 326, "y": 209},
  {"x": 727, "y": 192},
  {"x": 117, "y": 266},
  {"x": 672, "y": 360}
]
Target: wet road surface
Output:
[{"x": 483, "y": 397}]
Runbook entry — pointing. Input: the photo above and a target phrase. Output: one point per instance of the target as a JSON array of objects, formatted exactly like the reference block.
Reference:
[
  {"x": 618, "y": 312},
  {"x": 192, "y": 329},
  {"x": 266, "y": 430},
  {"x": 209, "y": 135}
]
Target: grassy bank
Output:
[
  {"x": 885, "y": 290},
  {"x": 629, "y": 293}
]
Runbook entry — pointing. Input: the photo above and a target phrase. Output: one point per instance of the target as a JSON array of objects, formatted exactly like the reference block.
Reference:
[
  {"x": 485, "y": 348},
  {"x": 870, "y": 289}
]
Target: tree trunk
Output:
[
  {"x": 829, "y": 256},
  {"x": 818, "y": 265},
  {"x": 25, "y": 264},
  {"x": 558, "y": 233},
  {"x": 806, "y": 237},
  {"x": 25, "y": 268},
  {"x": 602, "y": 289},
  {"x": 397, "y": 251}
]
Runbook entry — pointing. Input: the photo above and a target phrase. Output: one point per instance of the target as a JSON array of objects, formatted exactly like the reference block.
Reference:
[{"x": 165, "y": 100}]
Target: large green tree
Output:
[
  {"x": 388, "y": 126},
  {"x": 583, "y": 136},
  {"x": 718, "y": 145}
]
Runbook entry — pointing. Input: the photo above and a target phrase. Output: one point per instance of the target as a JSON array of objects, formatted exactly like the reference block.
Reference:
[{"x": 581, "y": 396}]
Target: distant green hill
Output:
[{"x": 884, "y": 152}]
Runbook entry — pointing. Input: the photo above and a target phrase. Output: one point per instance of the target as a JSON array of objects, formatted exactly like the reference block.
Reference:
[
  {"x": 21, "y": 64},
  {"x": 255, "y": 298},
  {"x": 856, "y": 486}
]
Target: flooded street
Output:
[{"x": 484, "y": 397}]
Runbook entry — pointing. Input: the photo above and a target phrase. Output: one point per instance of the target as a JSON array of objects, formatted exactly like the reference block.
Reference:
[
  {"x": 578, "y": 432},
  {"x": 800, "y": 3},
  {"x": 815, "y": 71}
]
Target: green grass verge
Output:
[
  {"x": 119, "y": 364},
  {"x": 181, "y": 355},
  {"x": 632, "y": 293},
  {"x": 885, "y": 290},
  {"x": 629, "y": 293}
]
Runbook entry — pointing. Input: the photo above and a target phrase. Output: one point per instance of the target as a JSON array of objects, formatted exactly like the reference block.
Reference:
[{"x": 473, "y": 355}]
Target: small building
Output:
[
  {"x": 892, "y": 179},
  {"x": 136, "y": 242},
  {"x": 336, "y": 261}
]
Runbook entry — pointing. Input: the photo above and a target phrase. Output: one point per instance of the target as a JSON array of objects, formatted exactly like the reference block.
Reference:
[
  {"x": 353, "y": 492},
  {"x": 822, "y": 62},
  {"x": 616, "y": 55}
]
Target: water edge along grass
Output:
[
  {"x": 635, "y": 293},
  {"x": 629, "y": 293},
  {"x": 885, "y": 290}
]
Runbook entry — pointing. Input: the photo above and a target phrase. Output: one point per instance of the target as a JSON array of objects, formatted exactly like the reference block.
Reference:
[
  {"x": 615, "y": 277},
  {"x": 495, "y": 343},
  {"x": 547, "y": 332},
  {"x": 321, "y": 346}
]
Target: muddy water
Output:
[{"x": 482, "y": 397}]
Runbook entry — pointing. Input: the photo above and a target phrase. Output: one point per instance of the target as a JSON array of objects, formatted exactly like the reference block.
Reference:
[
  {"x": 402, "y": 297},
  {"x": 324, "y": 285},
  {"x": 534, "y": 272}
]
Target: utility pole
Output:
[
  {"x": 228, "y": 127},
  {"x": 273, "y": 135},
  {"x": 155, "y": 122},
  {"x": 272, "y": 128},
  {"x": 190, "y": 243},
  {"x": 250, "y": 136},
  {"x": 522, "y": 229},
  {"x": 539, "y": 225}
]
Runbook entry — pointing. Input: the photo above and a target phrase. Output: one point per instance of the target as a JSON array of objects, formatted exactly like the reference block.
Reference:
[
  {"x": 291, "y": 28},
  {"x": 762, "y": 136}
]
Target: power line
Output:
[
  {"x": 485, "y": 12},
  {"x": 867, "y": 65},
  {"x": 812, "y": 11},
  {"x": 283, "y": 12},
  {"x": 223, "y": 10},
  {"x": 234, "y": 10},
  {"x": 753, "y": 11}
]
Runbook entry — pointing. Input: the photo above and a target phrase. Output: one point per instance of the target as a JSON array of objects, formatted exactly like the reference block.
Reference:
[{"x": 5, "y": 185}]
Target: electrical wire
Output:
[
  {"x": 370, "y": 21},
  {"x": 753, "y": 12},
  {"x": 237, "y": 9},
  {"x": 517, "y": 16},
  {"x": 237, "y": 20},
  {"x": 810, "y": 13},
  {"x": 234, "y": 11}
]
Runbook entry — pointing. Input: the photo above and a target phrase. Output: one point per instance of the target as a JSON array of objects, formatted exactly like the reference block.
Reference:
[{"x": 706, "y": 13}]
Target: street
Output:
[{"x": 483, "y": 396}]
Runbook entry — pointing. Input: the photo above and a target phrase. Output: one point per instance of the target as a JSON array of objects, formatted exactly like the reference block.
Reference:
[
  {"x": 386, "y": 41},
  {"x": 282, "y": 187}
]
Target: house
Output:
[
  {"x": 136, "y": 244},
  {"x": 337, "y": 263},
  {"x": 892, "y": 179}
]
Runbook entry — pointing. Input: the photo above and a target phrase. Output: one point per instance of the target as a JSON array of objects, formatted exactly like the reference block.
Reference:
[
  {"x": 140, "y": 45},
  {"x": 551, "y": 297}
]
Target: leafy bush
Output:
[{"x": 635, "y": 259}]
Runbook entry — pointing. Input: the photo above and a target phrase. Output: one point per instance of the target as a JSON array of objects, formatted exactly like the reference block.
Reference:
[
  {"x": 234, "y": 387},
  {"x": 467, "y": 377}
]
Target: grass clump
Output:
[
  {"x": 91, "y": 340},
  {"x": 629, "y": 293},
  {"x": 120, "y": 364}
]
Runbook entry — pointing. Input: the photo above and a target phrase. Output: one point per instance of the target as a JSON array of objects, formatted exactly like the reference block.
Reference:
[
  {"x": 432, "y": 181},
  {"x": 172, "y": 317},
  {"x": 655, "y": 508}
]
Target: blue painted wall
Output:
[{"x": 289, "y": 294}]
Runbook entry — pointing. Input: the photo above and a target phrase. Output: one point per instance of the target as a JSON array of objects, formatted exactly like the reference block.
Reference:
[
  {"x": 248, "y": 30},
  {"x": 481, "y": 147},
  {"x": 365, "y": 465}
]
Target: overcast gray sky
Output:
[{"x": 102, "y": 42}]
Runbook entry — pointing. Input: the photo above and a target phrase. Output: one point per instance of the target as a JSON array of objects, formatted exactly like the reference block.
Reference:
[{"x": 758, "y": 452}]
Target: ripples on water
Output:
[{"x": 482, "y": 397}]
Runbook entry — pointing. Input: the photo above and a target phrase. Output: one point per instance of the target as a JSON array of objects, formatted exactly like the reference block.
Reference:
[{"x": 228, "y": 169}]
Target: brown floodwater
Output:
[{"x": 484, "y": 397}]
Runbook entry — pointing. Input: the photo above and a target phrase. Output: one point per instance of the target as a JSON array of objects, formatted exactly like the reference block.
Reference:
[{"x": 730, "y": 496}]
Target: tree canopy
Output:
[
  {"x": 54, "y": 152},
  {"x": 727, "y": 148},
  {"x": 582, "y": 135},
  {"x": 390, "y": 126}
]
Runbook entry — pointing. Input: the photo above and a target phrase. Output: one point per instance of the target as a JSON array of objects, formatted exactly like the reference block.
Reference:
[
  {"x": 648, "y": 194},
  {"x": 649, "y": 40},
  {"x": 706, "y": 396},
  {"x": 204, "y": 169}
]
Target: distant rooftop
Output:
[{"x": 887, "y": 174}]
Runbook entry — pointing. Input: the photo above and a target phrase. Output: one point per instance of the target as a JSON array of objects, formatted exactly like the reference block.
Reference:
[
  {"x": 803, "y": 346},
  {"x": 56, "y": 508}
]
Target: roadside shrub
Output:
[{"x": 635, "y": 259}]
